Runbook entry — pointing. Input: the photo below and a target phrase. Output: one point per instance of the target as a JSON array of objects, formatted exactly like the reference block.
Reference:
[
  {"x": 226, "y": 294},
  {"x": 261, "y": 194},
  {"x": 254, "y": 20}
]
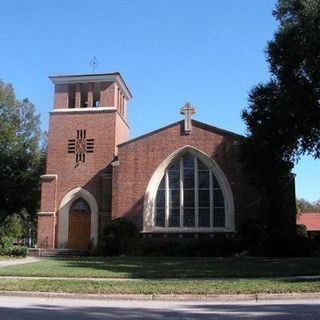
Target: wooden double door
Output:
[{"x": 79, "y": 227}]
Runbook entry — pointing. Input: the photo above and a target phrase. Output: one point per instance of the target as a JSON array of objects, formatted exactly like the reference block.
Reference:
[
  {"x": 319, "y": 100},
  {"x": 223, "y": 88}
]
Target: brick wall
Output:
[
  {"x": 100, "y": 126},
  {"x": 140, "y": 158},
  {"x": 61, "y": 96},
  {"x": 107, "y": 97},
  {"x": 46, "y": 230},
  {"x": 122, "y": 131},
  {"x": 48, "y": 191}
]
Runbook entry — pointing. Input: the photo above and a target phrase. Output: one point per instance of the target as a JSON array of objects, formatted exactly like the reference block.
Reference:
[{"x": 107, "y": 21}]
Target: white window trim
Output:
[{"x": 151, "y": 191}]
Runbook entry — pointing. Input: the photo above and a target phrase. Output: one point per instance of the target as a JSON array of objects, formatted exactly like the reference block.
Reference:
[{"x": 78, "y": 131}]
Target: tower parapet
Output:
[{"x": 107, "y": 90}]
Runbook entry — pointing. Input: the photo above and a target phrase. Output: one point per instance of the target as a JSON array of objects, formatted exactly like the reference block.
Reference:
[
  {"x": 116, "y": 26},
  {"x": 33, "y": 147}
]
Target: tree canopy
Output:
[
  {"x": 283, "y": 116},
  {"x": 21, "y": 157},
  {"x": 306, "y": 206},
  {"x": 285, "y": 112}
]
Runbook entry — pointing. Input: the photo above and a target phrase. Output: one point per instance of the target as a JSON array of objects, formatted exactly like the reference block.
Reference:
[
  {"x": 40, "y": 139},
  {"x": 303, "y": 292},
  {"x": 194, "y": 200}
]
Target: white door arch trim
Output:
[{"x": 64, "y": 208}]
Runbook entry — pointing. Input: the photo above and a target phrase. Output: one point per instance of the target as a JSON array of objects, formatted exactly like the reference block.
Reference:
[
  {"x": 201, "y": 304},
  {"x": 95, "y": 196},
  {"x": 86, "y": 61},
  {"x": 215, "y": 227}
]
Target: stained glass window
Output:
[
  {"x": 189, "y": 196},
  {"x": 80, "y": 205}
]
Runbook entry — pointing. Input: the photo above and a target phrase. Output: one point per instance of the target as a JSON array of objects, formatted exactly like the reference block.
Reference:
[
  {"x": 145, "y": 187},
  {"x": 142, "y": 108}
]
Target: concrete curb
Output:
[{"x": 168, "y": 297}]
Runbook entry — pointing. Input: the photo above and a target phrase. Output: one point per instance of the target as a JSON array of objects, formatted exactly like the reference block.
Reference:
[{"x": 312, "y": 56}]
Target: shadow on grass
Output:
[
  {"x": 152, "y": 310},
  {"x": 181, "y": 267}
]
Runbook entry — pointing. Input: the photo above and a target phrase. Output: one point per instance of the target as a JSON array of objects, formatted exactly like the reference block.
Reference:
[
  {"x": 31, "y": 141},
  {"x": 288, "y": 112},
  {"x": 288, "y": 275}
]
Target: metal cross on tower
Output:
[
  {"x": 188, "y": 110},
  {"x": 93, "y": 64}
]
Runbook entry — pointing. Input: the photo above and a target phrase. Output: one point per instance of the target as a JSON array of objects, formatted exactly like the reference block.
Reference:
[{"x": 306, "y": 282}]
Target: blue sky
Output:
[{"x": 208, "y": 52}]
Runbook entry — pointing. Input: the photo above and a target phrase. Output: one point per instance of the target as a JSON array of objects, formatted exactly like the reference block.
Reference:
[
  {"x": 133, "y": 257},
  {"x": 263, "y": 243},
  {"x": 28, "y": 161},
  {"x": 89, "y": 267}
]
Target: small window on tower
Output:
[
  {"x": 71, "y": 95},
  {"x": 84, "y": 95},
  {"x": 96, "y": 94}
]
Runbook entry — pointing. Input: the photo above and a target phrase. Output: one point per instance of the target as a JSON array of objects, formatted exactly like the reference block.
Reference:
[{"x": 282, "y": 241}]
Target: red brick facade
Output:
[
  {"x": 90, "y": 157},
  {"x": 104, "y": 127},
  {"x": 139, "y": 158}
]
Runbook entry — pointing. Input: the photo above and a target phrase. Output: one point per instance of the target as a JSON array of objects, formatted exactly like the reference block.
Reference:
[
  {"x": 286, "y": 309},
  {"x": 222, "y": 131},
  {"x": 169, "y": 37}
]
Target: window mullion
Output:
[
  {"x": 196, "y": 193},
  {"x": 211, "y": 199},
  {"x": 181, "y": 192},
  {"x": 167, "y": 209}
]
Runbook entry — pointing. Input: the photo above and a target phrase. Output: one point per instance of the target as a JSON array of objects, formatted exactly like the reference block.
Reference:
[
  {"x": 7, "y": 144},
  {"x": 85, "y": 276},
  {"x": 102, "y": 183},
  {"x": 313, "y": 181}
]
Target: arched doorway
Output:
[
  {"x": 79, "y": 225},
  {"x": 64, "y": 210}
]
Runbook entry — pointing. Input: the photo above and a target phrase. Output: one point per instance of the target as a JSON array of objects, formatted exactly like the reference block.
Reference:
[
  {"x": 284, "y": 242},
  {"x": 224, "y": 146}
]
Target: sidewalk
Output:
[
  {"x": 16, "y": 261},
  {"x": 260, "y": 297}
]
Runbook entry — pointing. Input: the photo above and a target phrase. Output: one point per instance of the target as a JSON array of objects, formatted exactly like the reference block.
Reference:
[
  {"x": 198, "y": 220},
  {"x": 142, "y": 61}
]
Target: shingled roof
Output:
[{"x": 310, "y": 220}]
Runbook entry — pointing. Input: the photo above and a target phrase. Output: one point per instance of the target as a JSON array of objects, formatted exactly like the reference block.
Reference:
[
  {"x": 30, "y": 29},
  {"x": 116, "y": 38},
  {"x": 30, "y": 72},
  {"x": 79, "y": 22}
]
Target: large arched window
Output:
[{"x": 189, "y": 196}]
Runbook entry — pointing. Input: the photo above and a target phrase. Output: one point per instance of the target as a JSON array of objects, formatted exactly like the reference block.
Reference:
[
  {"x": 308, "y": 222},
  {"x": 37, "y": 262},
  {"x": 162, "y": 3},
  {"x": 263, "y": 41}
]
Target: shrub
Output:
[
  {"x": 9, "y": 249},
  {"x": 302, "y": 231},
  {"x": 19, "y": 251},
  {"x": 121, "y": 236},
  {"x": 253, "y": 230},
  {"x": 290, "y": 247},
  {"x": 259, "y": 243},
  {"x": 191, "y": 247},
  {"x": 6, "y": 245}
]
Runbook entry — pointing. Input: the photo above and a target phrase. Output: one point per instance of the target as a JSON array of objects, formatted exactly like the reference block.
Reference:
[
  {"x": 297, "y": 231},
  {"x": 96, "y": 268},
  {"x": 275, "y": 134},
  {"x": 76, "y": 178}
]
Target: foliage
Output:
[
  {"x": 121, "y": 236},
  {"x": 191, "y": 247},
  {"x": 289, "y": 247},
  {"x": 285, "y": 112},
  {"x": 21, "y": 156},
  {"x": 6, "y": 244},
  {"x": 258, "y": 242},
  {"x": 283, "y": 116},
  {"x": 308, "y": 207},
  {"x": 16, "y": 225},
  {"x": 9, "y": 249},
  {"x": 252, "y": 231},
  {"x": 302, "y": 231}
]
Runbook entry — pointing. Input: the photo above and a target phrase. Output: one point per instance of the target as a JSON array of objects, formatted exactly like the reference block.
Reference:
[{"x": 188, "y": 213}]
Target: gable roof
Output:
[
  {"x": 194, "y": 122},
  {"x": 310, "y": 220}
]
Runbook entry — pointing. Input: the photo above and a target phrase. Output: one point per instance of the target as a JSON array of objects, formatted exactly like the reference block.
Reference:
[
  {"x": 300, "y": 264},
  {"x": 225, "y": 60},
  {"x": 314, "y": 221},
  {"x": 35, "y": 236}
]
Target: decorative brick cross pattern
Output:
[{"x": 81, "y": 146}]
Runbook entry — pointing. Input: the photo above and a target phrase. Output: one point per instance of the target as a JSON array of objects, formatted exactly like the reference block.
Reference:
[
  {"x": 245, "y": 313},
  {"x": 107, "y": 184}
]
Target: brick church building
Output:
[{"x": 184, "y": 178}]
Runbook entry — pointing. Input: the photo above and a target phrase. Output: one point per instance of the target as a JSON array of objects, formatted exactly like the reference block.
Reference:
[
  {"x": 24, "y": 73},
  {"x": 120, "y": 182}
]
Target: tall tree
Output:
[
  {"x": 21, "y": 159},
  {"x": 308, "y": 207},
  {"x": 283, "y": 116}
]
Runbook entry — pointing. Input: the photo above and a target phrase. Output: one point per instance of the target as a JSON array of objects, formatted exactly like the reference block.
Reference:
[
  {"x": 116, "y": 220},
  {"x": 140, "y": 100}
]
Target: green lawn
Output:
[
  {"x": 235, "y": 286},
  {"x": 166, "y": 267}
]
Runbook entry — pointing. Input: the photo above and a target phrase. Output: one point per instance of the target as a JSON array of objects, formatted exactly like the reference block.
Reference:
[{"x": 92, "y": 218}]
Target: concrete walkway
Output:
[
  {"x": 16, "y": 261},
  {"x": 259, "y": 297},
  {"x": 64, "y": 308}
]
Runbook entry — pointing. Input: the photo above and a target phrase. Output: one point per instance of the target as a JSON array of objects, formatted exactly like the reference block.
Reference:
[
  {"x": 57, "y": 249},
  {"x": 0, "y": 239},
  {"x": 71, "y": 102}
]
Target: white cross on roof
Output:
[{"x": 188, "y": 110}]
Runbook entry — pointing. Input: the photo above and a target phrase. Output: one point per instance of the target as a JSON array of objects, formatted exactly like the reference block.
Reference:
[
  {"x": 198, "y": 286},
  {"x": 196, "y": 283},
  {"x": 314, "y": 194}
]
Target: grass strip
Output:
[
  {"x": 235, "y": 286},
  {"x": 166, "y": 267}
]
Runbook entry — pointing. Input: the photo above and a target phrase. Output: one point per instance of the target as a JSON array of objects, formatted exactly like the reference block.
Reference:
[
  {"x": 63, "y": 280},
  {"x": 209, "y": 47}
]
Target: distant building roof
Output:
[{"x": 310, "y": 220}]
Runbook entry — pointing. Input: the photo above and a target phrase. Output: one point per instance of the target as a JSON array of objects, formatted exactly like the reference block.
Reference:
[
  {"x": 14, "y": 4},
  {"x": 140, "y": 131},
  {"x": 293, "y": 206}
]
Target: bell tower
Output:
[{"x": 88, "y": 121}]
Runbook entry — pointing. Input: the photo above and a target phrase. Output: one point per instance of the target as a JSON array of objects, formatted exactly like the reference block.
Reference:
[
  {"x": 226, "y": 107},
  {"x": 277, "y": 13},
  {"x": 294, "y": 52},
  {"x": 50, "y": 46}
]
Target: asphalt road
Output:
[{"x": 35, "y": 308}]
